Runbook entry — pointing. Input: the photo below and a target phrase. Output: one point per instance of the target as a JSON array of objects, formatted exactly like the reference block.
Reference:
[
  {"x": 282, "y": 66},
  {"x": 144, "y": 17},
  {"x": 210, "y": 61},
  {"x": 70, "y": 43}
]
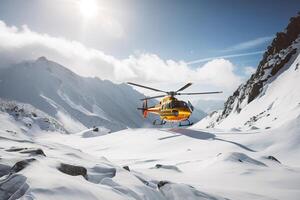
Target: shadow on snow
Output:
[{"x": 201, "y": 135}]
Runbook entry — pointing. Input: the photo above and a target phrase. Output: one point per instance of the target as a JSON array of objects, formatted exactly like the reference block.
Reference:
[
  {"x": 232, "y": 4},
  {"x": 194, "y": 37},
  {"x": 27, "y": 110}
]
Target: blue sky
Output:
[
  {"x": 136, "y": 31},
  {"x": 174, "y": 29}
]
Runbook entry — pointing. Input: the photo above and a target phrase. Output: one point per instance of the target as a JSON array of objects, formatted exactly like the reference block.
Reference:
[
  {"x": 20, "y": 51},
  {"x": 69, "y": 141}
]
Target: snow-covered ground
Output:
[{"x": 163, "y": 164}]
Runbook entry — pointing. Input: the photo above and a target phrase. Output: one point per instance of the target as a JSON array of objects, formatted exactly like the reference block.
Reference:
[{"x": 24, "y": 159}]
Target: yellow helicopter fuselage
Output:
[{"x": 171, "y": 109}]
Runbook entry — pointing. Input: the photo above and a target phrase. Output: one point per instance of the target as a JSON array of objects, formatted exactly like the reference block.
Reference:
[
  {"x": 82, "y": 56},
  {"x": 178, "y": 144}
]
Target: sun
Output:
[{"x": 88, "y": 8}]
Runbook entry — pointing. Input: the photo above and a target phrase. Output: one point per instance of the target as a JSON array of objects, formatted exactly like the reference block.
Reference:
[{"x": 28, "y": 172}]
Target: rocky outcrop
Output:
[
  {"x": 73, "y": 170},
  {"x": 282, "y": 50},
  {"x": 21, "y": 165},
  {"x": 30, "y": 116},
  {"x": 30, "y": 151},
  {"x": 13, "y": 187}
]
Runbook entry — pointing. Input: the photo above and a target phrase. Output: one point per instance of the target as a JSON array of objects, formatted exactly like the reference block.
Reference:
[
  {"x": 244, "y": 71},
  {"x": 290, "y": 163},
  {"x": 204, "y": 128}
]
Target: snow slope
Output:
[
  {"x": 47, "y": 166},
  {"x": 77, "y": 102},
  {"x": 144, "y": 164}
]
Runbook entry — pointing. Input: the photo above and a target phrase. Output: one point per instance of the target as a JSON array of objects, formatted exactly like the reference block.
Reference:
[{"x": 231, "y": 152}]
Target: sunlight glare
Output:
[{"x": 88, "y": 8}]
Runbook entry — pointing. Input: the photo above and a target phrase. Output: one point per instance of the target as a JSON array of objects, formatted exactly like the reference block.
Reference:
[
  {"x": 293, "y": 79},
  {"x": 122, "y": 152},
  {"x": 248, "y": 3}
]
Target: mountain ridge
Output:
[
  {"x": 279, "y": 57},
  {"x": 61, "y": 93}
]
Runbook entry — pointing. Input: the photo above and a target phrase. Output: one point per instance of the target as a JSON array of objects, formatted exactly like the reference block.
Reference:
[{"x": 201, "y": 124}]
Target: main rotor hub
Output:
[{"x": 172, "y": 93}]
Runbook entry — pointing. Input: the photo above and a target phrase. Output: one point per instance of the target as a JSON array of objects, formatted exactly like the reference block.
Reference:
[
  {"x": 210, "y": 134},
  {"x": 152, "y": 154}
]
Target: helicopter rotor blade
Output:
[
  {"x": 158, "y": 96},
  {"x": 198, "y": 93},
  {"x": 184, "y": 87},
  {"x": 149, "y": 88}
]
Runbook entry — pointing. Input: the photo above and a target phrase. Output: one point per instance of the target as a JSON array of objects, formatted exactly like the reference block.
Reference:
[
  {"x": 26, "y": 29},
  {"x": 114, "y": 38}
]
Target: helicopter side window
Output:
[{"x": 182, "y": 104}]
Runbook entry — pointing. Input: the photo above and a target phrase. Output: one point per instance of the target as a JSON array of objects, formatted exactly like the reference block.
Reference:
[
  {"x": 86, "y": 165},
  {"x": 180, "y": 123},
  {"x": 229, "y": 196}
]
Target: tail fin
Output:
[{"x": 145, "y": 108}]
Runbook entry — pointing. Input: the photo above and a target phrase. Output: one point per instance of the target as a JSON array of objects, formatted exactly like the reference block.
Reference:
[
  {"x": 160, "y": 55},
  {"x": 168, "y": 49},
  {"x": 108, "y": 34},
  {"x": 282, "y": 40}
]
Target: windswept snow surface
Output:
[{"x": 164, "y": 164}]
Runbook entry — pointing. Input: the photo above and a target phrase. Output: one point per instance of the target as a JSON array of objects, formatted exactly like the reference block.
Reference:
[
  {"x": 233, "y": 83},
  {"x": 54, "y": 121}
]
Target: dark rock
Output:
[
  {"x": 158, "y": 165},
  {"x": 73, "y": 170},
  {"x": 278, "y": 66},
  {"x": 273, "y": 158},
  {"x": 255, "y": 91},
  {"x": 95, "y": 129},
  {"x": 13, "y": 132},
  {"x": 35, "y": 152},
  {"x": 162, "y": 183},
  {"x": 13, "y": 187},
  {"x": 15, "y": 149},
  {"x": 21, "y": 165},
  {"x": 4, "y": 169},
  {"x": 126, "y": 168}
]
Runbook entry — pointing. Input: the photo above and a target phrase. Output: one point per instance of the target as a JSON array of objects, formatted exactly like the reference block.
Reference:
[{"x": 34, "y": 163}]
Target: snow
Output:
[
  {"x": 69, "y": 123},
  {"x": 186, "y": 163}
]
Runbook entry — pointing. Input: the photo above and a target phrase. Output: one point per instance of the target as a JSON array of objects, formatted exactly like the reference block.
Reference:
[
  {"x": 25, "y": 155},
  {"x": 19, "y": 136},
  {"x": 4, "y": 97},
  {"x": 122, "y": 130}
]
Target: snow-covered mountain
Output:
[
  {"x": 77, "y": 102},
  {"x": 271, "y": 96}
]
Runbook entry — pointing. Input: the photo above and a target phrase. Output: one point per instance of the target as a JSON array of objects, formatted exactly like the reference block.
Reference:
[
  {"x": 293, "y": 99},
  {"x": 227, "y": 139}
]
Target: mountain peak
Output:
[{"x": 42, "y": 59}]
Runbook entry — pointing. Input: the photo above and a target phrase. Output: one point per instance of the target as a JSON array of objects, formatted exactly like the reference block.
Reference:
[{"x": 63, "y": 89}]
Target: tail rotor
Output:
[{"x": 145, "y": 108}]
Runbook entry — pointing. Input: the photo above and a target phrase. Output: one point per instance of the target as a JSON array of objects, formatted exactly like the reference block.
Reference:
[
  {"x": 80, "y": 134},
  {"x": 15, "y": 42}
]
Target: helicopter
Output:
[{"x": 169, "y": 108}]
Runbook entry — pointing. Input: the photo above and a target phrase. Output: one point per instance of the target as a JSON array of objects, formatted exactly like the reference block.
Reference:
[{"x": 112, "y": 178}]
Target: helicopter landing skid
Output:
[
  {"x": 162, "y": 122},
  {"x": 189, "y": 124}
]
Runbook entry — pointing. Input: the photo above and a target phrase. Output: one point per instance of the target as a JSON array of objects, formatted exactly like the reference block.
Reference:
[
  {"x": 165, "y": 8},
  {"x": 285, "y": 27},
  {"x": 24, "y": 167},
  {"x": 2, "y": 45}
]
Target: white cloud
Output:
[
  {"x": 248, "y": 70},
  {"x": 21, "y": 44},
  {"x": 218, "y": 72}
]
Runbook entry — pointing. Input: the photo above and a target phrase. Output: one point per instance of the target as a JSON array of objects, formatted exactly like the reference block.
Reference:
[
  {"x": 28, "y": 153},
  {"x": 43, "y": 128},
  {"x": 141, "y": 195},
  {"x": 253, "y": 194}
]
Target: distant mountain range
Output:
[{"x": 77, "y": 102}]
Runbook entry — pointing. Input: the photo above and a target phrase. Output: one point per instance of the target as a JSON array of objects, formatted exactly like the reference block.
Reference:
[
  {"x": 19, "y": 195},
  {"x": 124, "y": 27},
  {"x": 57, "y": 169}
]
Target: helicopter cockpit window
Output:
[
  {"x": 169, "y": 105},
  {"x": 182, "y": 104}
]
